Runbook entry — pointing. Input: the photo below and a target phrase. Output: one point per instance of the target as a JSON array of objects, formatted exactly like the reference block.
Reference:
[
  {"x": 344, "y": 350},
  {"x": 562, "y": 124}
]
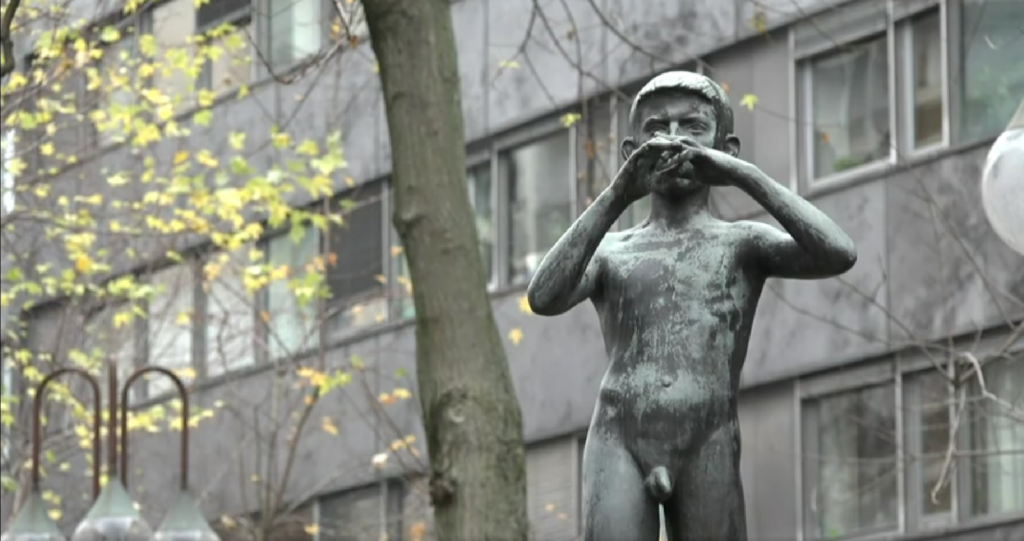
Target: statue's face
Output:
[{"x": 675, "y": 115}]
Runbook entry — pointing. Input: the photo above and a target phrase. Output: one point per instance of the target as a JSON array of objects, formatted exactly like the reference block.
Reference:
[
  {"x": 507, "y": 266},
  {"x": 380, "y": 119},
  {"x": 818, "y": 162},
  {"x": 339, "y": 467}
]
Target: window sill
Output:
[{"x": 868, "y": 173}]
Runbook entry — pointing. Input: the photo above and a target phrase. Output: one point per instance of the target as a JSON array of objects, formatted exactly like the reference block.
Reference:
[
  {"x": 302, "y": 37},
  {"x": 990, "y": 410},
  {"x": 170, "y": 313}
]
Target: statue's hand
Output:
[
  {"x": 655, "y": 157},
  {"x": 707, "y": 165}
]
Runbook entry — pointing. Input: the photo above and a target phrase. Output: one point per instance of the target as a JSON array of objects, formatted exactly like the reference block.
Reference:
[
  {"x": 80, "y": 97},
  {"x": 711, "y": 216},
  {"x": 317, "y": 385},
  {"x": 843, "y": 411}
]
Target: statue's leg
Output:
[
  {"x": 615, "y": 505},
  {"x": 707, "y": 504}
]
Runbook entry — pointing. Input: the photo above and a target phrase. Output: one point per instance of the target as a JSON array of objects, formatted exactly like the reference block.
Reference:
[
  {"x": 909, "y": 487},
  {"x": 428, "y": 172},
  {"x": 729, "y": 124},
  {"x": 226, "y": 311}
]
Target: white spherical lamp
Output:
[{"x": 1002, "y": 184}]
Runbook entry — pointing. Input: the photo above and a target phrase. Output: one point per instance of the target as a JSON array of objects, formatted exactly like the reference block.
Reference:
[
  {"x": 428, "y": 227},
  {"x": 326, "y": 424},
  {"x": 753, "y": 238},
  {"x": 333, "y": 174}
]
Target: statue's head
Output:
[{"x": 679, "y": 104}]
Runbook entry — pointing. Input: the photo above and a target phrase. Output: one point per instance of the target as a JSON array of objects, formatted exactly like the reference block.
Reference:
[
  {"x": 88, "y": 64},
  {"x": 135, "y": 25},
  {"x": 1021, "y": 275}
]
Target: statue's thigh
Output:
[
  {"x": 707, "y": 504},
  {"x": 615, "y": 505}
]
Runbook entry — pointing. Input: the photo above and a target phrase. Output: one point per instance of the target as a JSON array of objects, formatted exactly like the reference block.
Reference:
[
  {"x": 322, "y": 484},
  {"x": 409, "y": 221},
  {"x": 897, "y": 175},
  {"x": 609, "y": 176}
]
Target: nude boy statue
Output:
[{"x": 676, "y": 297}]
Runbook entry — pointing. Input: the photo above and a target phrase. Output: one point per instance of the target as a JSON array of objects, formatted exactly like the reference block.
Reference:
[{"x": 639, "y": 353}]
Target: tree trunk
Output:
[{"x": 470, "y": 410}]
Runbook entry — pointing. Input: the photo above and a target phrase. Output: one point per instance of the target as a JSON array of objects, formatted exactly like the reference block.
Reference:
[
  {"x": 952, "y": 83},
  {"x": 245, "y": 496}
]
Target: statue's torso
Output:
[{"x": 676, "y": 309}]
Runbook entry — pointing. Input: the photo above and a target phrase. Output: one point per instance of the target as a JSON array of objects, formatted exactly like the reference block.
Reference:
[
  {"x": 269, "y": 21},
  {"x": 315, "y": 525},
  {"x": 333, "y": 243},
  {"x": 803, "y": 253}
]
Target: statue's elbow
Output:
[
  {"x": 845, "y": 256},
  {"x": 541, "y": 302}
]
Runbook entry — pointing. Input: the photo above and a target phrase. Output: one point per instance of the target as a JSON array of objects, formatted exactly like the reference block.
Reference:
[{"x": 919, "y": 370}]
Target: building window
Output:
[
  {"x": 217, "y": 12},
  {"x": 7, "y": 154},
  {"x": 928, "y": 407},
  {"x": 850, "y": 465},
  {"x": 849, "y": 107},
  {"x": 481, "y": 198},
  {"x": 597, "y": 149},
  {"x": 925, "y": 80},
  {"x": 232, "y": 67},
  {"x": 539, "y": 177},
  {"x": 365, "y": 514},
  {"x": 229, "y": 317},
  {"x": 989, "y": 73},
  {"x": 292, "y": 320},
  {"x": 169, "y": 322},
  {"x": 295, "y": 31},
  {"x": 996, "y": 454},
  {"x": 7, "y": 392},
  {"x": 355, "y": 254}
]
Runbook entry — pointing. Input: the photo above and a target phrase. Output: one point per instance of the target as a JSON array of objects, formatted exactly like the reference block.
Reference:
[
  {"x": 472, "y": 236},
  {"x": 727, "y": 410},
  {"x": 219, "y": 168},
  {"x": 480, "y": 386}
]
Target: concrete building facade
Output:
[{"x": 880, "y": 112}]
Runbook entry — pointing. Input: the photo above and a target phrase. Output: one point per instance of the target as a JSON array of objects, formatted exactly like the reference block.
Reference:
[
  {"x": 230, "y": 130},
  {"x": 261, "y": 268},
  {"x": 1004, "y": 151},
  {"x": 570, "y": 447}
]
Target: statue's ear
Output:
[
  {"x": 628, "y": 148},
  {"x": 731, "y": 146}
]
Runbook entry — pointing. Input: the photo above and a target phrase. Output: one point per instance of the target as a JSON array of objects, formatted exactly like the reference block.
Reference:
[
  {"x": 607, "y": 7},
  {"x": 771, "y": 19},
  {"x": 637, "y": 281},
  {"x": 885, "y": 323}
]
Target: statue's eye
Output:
[{"x": 657, "y": 127}]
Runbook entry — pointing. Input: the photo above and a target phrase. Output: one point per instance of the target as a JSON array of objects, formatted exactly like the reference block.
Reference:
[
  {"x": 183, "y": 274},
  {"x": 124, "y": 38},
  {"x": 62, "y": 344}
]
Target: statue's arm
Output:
[
  {"x": 570, "y": 272},
  {"x": 812, "y": 246}
]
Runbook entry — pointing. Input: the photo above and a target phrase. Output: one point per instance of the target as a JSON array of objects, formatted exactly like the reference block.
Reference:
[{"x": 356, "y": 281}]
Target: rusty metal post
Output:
[
  {"x": 184, "y": 420},
  {"x": 37, "y": 431}
]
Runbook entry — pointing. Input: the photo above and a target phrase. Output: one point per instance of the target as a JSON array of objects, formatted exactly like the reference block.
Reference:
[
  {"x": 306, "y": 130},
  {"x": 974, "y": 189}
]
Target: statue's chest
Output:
[{"x": 667, "y": 269}]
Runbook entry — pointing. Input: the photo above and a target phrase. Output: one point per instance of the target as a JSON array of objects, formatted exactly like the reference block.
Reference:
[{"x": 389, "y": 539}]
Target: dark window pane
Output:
[
  {"x": 356, "y": 261},
  {"x": 850, "y": 97},
  {"x": 216, "y": 12},
  {"x": 853, "y": 461},
  {"x": 926, "y": 64}
]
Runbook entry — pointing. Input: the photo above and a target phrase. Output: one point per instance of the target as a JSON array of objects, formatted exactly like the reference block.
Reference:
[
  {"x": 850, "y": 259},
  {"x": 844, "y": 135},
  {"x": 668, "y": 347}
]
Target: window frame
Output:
[
  {"x": 904, "y": 64},
  {"x": 264, "y": 39},
  {"x": 899, "y": 370},
  {"x": 500, "y": 149},
  {"x": 237, "y": 18},
  {"x": 804, "y": 88},
  {"x": 383, "y": 188},
  {"x": 196, "y": 362},
  {"x": 313, "y": 336},
  {"x": 809, "y": 478}
]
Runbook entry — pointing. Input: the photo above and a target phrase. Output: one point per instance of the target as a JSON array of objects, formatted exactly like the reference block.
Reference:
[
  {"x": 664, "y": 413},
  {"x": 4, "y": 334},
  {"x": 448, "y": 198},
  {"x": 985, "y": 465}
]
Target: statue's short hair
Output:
[{"x": 689, "y": 82}]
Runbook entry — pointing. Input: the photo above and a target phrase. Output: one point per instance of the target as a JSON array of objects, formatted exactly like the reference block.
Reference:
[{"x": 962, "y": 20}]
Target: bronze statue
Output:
[{"x": 676, "y": 297}]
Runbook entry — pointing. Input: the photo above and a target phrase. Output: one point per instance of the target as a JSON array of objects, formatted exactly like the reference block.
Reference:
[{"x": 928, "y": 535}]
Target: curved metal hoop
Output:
[
  {"x": 184, "y": 420},
  {"x": 37, "y": 430}
]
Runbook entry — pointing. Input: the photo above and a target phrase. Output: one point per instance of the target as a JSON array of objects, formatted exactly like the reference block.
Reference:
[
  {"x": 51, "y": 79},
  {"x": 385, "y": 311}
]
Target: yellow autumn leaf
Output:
[
  {"x": 46, "y": 149},
  {"x": 401, "y": 393},
  {"x": 55, "y": 515},
  {"x": 180, "y": 157},
  {"x": 749, "y": 101},
  {"x": 510, "y": 64},
  {"x": 524, "y": 305},
  {"x": 312, "y": 529},
  {"x": 515, "y": 336},
  {"x": 83, "y": 264},
  {"x": 281, "y": 140},
  {"x": 380, "y": 460},
  {"x": 329, "y": 426},
  {"x": 569, "y": 119}
]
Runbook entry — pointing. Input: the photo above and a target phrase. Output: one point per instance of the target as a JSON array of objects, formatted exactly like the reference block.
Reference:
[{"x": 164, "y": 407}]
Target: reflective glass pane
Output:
[
  {"x": 540, "y": 200},
  {"x": 850, "y": 100}
]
